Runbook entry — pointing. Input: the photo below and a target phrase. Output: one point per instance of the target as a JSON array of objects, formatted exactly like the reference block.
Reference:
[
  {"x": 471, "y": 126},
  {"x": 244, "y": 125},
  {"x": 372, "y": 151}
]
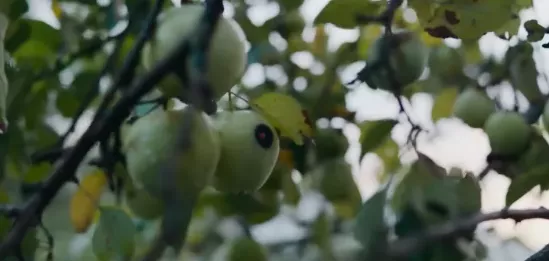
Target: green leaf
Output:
[
  {"x": 370, "y": 227},
  {"x": 285, "y": 113},
  {"x": 37, "y": 172},
  {"x": 43, "y": 32},
  {"x": 18, "y": 33},
  {"x": 114, "y": 237},
  {"x": 388, "y": 152},
  {"x": 67, "y": 103},
  {"x": 343, "y": 13},
  {"x": 536, "y": 32},
  {"x": 444, "y": 103},
  {"x": 41, "y": 46},
  {"x": 525, "y": 182},
  {"x": 374, "y": 133},
  {"x": 469, "y": 193},
  {"x": 417, "y": 178}
]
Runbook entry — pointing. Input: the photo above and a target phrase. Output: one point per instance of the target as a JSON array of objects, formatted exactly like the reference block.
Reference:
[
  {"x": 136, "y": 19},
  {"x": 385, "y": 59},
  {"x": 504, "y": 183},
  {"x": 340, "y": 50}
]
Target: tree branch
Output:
[
  {"x": 405, "y": 246},
  {"x": 98, "y": 130},
  {"x": 176, "y": 220}
]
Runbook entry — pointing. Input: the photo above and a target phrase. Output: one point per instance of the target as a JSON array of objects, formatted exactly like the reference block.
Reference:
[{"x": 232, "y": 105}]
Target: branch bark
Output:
[{"x": 404, "y": 247}]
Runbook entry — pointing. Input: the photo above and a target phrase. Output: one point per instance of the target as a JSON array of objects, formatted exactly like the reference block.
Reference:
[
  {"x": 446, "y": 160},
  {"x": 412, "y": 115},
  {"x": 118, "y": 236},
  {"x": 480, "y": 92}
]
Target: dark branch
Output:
[
  {"x": 404, "y": 247},
  {"x": 98, "y": 130},
  {"x": 181, "y": 206}
]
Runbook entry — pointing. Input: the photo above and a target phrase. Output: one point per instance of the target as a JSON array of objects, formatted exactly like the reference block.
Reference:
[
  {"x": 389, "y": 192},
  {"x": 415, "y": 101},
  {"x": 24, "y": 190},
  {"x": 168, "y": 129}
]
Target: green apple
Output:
[
  {"x": 446, "y": 62},
  {"x": 330, "y": 143},
  {"x": 226, "y": 57},
  {"x": 508, "y": 133},
  {"x": 149, "y": 142},
  {"x": 473, "y": 107},
  {"x": 249, "y": 151},
  {"x": 407, "y": 59}
]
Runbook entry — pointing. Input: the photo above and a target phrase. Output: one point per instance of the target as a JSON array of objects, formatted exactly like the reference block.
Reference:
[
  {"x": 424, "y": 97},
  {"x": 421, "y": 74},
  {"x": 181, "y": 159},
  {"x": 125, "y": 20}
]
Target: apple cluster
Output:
[
  {"x": 232, "y": 151},
  {"x": 397, "y": 60},
  {"x": 508, "y": 131}
]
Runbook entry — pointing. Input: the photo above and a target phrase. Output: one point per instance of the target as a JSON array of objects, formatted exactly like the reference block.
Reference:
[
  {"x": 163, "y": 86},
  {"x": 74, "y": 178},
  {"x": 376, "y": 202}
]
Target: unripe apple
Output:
[
  {"x": 329, "y": 144},
  {"x": 226, "y": 58},
  {"x": 247, "y": 249},
  {"x": 508, "y": 133},
  {"x": 334, "y": 179},
  {"x": 446, "y": 62},
  {"x": 149, "y": 143},
  {"x": 407, "y": 59},
  {"x": 143, "y": 205},
  {"x": 473, "y": 107},
  {"x": 249, "y": 151}
]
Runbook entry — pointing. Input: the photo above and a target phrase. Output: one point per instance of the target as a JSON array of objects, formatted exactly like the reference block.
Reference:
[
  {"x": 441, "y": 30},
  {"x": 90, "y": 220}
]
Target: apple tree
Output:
[{"x": 130, "y": 129}]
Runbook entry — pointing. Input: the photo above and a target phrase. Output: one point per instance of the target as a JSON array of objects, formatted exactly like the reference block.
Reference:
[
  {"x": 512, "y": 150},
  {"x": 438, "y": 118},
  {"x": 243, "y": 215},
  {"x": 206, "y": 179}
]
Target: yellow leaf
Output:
[
  {"x": 444, "y": 103},
  {"x": 83, "y": 205},
  {"x": 285, "y": 114},
  {"x": 56, "y": 8}
]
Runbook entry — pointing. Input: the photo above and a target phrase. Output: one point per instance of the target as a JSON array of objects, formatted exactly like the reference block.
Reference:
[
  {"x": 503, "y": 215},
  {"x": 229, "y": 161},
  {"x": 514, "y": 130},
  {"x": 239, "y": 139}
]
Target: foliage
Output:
[{"x": 59, "y": 185}]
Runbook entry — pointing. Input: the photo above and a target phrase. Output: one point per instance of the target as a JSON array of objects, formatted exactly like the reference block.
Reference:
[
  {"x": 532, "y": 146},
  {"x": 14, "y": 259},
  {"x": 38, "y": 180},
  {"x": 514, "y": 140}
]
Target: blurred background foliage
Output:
[{"x": 54, "y": 70}]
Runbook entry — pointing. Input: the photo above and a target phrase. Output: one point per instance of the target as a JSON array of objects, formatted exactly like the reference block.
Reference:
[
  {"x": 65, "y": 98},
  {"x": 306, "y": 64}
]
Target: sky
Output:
[{"x": 455, "y": 144}]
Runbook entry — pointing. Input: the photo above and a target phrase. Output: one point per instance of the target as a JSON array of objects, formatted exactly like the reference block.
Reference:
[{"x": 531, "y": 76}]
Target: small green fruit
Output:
[
  {"x": 148, "y": 144},
  {"x": 246, "y": 249},
  {"x": 407, "y": 58},
  {"x": 330, "y": 143},
  {"x": 508, "y": 133},
  {"x": 249, "y": 151},
  {"x": 334, "y": 179},
  {"x": 143, "y": 205},
  {"x": 446, "y": 62},
  {"x": 226, "y": 56},
  {"x": 473, "y": 107}
]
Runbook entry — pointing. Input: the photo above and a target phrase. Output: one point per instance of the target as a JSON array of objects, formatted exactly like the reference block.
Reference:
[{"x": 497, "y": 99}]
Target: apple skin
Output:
[
  {"x": 508, "y": 133},
  {"x": 148, "y": 144},
  {"x": 226, "y": 60},
  {"x": 249, "y": 151},
  {"x": 473, "y": 107}
]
